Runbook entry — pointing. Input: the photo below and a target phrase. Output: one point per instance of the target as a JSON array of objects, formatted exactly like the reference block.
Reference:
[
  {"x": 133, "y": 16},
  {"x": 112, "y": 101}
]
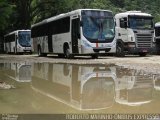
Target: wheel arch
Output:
[
  {"x": 119, "y": 41},
  {"x": 120, "y": 48}
]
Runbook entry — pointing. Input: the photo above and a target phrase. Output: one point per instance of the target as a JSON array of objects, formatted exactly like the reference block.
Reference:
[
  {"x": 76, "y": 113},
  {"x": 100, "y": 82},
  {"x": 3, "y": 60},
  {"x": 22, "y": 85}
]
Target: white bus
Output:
[
  {"x": 18, "y": 41},
  {"x": 80, "y": 32}
]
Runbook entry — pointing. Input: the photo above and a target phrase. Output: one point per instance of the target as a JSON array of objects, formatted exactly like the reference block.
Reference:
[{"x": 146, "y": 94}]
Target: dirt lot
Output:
[{"x": 150, "y": 63}]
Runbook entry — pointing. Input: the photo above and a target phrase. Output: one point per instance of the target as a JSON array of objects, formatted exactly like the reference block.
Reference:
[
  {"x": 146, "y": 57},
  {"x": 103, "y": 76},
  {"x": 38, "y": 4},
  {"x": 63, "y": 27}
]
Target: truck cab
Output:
[{"x": 134, "y": 33}]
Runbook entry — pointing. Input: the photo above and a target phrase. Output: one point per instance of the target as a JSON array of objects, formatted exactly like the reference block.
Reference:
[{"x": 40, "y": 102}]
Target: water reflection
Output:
[
  {"x": 92, "y": 87},
  {"x": 78, "y": 88},
  {"x": 157, "y": 82},
  {"x": 133, "y": 87},
  {"x": 21, "y": 72}
]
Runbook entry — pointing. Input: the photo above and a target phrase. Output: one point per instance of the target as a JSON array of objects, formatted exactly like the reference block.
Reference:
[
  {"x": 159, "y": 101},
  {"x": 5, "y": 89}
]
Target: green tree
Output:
[
  {"x": 5, "y": 12},
  {"x": 48, "y": 8},
  {"x": 22, "y": 14}
]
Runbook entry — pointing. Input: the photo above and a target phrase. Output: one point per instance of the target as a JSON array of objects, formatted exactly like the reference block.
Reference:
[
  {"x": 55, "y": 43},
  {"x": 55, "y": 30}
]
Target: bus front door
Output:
[
  {"x": 75, "y": 34},
  {"x": 50, "y": 47}
]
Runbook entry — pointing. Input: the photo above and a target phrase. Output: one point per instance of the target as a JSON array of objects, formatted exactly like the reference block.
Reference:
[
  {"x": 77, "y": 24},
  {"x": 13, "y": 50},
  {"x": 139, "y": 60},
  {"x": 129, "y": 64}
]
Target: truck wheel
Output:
[
  {"x": 120, "y": 50},
  {"x": 142, "y": 54}
]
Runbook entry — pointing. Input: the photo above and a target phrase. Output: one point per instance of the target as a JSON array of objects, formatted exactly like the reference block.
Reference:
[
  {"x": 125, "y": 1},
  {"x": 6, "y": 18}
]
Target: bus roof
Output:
[
  {"x": 64, "y": 15},
  {"x": 13, "y": 32}
]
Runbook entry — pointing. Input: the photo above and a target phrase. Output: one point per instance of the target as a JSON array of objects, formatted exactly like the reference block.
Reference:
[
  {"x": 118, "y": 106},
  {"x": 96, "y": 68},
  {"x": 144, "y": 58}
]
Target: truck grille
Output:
[{"x": 144, "y": 40}]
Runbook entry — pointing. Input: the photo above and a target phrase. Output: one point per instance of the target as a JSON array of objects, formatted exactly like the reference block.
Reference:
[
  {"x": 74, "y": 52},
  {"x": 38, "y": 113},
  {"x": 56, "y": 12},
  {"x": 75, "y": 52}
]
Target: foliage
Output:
[
  {"x": 5, "y": 12},
  {"x": 20, "y": 14}
]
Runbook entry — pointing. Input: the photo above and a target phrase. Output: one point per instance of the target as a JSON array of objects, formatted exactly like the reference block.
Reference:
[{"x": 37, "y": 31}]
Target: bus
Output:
[
  {"x": 79, "y": 32},
  {"x": 18, "y": 41}
]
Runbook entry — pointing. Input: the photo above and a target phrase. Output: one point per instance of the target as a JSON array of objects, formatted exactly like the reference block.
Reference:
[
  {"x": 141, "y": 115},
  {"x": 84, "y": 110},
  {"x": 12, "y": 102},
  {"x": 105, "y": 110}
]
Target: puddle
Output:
[{"x": 69, "y": 88}]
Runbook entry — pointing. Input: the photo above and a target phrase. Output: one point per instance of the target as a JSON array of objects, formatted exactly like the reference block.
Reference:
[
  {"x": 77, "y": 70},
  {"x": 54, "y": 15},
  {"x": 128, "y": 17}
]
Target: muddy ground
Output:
[{"x": 150, "y": 63}]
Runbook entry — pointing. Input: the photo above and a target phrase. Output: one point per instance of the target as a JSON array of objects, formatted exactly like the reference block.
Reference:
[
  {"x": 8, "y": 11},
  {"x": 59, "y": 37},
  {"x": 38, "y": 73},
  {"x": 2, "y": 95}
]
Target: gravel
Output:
[{"x": 150, "y": 64}]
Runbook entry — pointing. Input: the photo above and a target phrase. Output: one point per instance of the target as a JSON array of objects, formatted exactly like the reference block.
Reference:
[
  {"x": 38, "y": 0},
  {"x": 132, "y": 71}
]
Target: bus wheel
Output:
[
  {"x": 67, "y": 53},
  {"x": 120, "y": 50},
  {"x": 95, "y": 56},
  {"x": 61, "y": 55}
]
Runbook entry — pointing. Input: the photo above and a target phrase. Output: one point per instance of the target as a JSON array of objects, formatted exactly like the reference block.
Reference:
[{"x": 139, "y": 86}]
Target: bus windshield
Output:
[
  {"x": 24, "y": 38},
  {"x": 98, "y": 26},
  {"x": 140, "y": 23}
]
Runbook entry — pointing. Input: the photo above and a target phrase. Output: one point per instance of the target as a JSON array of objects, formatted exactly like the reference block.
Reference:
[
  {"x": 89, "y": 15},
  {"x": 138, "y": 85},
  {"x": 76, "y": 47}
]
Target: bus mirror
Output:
[{"x": 16, "y": 36}]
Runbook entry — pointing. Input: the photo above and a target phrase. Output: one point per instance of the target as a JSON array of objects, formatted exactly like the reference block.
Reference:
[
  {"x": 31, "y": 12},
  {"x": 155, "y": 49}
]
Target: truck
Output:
[{"x": 134, "y": 33}]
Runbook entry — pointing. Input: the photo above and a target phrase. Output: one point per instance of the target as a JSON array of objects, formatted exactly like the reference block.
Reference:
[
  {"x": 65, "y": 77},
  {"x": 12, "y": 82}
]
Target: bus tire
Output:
[
  {"x": 95, "y": 56},
  {"x": 61, "y": 55},
  {"x": 67, "y": 53},
  {"x": 120, "y": 50}
]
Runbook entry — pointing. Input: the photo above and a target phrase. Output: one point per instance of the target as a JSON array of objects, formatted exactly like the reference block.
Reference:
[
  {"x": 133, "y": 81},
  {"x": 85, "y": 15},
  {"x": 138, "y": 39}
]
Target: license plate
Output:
[{"x": 144, "y": 50}]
